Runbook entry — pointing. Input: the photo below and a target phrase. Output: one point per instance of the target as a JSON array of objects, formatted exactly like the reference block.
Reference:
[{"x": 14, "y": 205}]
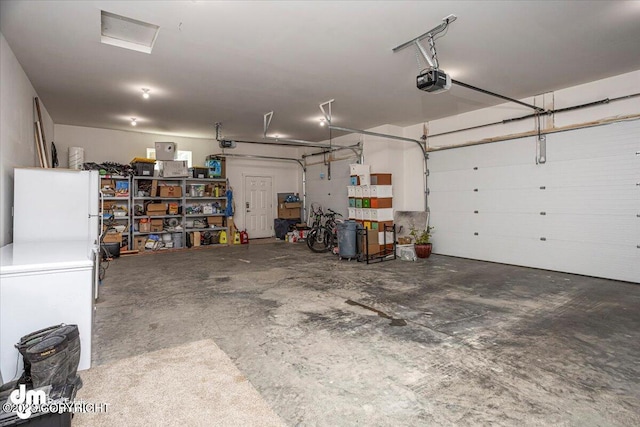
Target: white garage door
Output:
[{"x": 578, "y": 213}]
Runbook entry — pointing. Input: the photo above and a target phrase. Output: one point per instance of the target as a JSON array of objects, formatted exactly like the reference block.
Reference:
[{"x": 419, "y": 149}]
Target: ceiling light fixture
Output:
[
  {"x": 145, "y": 93},
  {"x": 322, "y": 122},
  {"x": 133, "y": 121}
]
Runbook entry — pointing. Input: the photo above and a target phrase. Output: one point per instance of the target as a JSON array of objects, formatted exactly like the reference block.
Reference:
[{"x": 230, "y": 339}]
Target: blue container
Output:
[{"x": 354, "y": 180}]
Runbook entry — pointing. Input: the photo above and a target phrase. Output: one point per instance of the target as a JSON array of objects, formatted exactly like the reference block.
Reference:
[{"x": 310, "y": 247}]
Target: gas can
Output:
[
  {"x": 244, "y": 237},
  {"x": 223, "y": 237},
  {"x": 236, "y": 238}
]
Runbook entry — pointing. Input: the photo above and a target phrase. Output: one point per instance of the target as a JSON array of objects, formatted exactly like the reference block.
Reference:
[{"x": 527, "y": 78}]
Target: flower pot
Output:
[{"x": 423, "y": 251}]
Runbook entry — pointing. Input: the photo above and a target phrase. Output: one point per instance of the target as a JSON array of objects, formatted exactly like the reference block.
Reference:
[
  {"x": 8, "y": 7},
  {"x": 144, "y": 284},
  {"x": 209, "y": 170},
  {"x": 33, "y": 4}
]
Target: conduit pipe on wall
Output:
[{"x": 421, "y": 144}]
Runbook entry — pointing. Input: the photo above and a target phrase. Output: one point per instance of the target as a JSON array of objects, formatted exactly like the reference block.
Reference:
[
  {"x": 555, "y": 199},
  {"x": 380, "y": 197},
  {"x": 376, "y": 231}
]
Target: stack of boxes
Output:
[
  {"x": 371, "y": 205},
  {"x": 288, "y": 210}
]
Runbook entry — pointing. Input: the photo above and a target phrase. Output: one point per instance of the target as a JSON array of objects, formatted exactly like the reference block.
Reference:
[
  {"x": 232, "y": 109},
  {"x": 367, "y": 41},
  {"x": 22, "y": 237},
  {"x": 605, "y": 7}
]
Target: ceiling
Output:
[{"x": 232, "y": 62}]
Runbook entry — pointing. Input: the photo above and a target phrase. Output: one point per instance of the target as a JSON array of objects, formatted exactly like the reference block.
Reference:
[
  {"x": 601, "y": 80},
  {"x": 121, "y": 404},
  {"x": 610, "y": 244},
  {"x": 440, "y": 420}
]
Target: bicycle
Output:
[{"x": 323, "y": 237}]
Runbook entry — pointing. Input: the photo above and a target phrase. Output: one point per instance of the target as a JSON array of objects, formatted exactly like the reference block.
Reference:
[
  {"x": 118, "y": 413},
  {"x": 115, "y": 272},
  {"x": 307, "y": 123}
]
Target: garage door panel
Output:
[
  {"x": 589, "y": 229},
  {"x": 617, "y": 200},
  {"x": 458, "y": 180},
  {"x": 511, "y": 250},
  {"x": 623, "y": 135},
  {"x": 456, "y": 222},
  {"x": 591, "y": 172},
  {"x": 602, "y": 260},
  {"x": 515, "y": 201},
  {"x": 521, "y": 177},
  {"x": 576, "y": 213}
]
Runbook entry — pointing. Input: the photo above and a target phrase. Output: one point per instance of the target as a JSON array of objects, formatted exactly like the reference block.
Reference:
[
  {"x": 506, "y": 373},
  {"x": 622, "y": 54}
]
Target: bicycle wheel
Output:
[{"x": 319, "y": 240}]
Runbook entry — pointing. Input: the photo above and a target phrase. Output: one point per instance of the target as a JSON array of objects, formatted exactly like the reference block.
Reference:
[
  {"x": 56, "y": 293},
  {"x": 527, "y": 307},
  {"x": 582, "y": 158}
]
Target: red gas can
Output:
[{"x": 244, "y": 237}]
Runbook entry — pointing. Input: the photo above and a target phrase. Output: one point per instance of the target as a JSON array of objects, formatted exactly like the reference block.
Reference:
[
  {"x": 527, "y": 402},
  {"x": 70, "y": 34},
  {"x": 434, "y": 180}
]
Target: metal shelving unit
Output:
[
  {"x": 186, "y": 200},
  {"x": 110, "y": 205}
]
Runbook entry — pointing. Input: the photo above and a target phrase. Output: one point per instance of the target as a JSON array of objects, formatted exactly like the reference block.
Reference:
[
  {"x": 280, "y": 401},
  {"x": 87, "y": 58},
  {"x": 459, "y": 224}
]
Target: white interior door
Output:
[
  {"x": 258, "y": 206},
  {"x": 578, "y": 212}
]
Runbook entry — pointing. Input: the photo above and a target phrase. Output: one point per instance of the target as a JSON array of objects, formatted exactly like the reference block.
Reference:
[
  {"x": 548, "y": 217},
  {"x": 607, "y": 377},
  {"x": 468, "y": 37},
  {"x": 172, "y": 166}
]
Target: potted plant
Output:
[{"x": 422, "y": 242}]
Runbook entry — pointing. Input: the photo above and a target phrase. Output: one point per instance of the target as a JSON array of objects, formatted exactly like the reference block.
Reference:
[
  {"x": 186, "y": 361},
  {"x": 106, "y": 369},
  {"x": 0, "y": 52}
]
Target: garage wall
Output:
[
  {"x": 17, "y": 140},
  {"x": 329, "y": 193},
  {"x": 102, "y": 145}
]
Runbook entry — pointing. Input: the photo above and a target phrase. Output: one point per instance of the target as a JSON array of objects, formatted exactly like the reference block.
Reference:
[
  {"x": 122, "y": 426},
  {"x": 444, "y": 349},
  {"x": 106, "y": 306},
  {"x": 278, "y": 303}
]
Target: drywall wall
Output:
[
  {"x": 325, "y": 187},
  {"x": 101, "y": 145},
  {"x": 17, "y": 140}
]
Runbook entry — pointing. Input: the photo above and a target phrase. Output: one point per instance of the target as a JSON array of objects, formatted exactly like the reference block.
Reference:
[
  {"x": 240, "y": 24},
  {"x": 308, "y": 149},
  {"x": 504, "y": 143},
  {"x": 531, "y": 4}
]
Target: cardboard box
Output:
[
  {"x": 381, "y": 203},
  {"x": 231, "y": 225},
  {"x": 174, "y": 208},
  {"x": 138, "y": 243},
  {"x": 157, "y": 225},
  {"x": 294, "y": 205},
  {"x": 155, "y": 209},
  {"x": 107, "y": 183},
  {"x": 109, "y": 205},
  {"x": 144, "y": 226},
  {"x": 170, "y": 191},
  {"x": 195, "y": 238},
  {"x": 218, "y": 221},
  {"x": 154, "y": 188},
  {"x": 174, "y": 169},
  {"x": 372, "y": 239},
  {"x": 380, "y": 179},
  {"x": 112, "y": 238},
  {"x": 289, "y": 213}
]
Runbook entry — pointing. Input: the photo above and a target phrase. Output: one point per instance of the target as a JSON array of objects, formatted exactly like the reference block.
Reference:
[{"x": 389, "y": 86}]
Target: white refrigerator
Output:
[{"x": 49, "y": 274}]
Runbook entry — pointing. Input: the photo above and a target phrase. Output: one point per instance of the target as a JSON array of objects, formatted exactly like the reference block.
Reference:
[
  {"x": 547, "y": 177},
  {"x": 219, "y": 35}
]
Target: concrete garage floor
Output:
[{"x": 484, "y": 343}]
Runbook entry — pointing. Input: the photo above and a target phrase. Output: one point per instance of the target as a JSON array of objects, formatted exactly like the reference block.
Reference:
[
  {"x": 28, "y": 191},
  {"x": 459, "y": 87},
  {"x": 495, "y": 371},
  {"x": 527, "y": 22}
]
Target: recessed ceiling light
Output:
[
  {"x": 128, "y": 33},
  {"x": 133, "y": 121},
  {"x": 145, "y": 93}
]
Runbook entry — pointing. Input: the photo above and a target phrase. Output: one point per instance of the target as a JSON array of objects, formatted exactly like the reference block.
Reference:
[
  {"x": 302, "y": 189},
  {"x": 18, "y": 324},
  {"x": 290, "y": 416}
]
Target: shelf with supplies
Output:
[
  {"x": 115, "y": 210},
  {"x": 371, "y": 205},
  {"x": 180, "y": 211}
]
